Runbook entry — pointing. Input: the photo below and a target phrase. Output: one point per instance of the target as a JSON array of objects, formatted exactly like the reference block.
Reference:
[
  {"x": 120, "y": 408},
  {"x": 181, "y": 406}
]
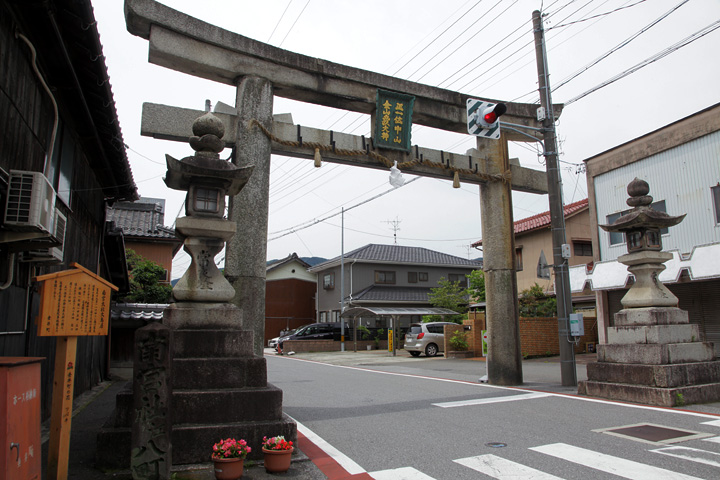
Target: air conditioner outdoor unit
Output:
[
  {"x": 52, "y": 254},
  {"x": 30, "y": 202}
]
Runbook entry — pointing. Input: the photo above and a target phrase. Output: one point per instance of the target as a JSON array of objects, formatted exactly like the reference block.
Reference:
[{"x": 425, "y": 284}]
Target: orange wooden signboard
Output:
[{"x": 72, "y": 303}]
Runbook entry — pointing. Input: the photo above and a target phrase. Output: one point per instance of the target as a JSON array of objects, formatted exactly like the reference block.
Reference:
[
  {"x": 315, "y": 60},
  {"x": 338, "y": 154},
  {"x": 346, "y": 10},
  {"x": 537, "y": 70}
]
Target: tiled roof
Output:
[
  {"x": 143, "y": 219},
  {"x": 542, "y": 220},
  {"x": 286, "y": 260},
  {"x": 138, "y": 311},
  {"x": 399, "y": 254},
  {"x": 378, "y": 293}
]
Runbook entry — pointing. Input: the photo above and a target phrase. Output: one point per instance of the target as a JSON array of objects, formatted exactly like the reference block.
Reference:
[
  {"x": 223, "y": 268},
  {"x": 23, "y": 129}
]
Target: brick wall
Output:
[
  {"x": 476, "y": 321},
  {"x": 539, "y": 336}
]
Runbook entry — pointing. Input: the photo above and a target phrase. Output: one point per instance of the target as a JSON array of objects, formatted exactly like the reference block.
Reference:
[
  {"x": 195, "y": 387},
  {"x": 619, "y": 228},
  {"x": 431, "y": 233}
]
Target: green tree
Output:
[
  {"x": 450, "y": 295},
  {"x": 145, "y": 277},
  {"x": 534, "y": 302},
  {"x": 477, "y": 285}
]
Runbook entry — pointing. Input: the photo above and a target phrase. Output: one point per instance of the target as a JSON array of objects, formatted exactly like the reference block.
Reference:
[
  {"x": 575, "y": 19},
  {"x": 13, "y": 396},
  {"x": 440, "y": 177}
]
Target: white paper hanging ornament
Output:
[{"x": 396, "y": 178}]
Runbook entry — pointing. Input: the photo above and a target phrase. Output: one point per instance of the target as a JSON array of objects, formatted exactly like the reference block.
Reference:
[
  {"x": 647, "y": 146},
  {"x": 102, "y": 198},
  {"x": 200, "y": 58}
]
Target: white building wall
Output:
[
  {"x": 682, "y": 176},
  {"x": 291, "y": 270}
]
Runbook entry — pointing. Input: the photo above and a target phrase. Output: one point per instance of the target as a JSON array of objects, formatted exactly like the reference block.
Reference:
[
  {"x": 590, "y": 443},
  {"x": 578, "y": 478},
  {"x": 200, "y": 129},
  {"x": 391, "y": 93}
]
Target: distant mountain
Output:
[{"x": 312, "y": 261}]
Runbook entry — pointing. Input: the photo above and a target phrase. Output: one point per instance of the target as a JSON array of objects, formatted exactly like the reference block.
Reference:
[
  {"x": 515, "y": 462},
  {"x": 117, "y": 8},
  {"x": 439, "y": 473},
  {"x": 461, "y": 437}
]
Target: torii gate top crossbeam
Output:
[{"x": 189, "y": 45}]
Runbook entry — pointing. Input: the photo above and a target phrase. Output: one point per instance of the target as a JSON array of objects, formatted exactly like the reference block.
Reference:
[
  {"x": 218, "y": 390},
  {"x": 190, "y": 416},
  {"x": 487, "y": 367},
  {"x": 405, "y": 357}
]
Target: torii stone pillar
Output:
[
  {"x": 504, "y": 360},
  {"x": 246, "y": 252}
]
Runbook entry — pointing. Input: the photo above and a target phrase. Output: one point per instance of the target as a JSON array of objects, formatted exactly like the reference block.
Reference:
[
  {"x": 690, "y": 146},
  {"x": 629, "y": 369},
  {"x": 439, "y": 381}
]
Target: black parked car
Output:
[{"x": 314, "y": 331}]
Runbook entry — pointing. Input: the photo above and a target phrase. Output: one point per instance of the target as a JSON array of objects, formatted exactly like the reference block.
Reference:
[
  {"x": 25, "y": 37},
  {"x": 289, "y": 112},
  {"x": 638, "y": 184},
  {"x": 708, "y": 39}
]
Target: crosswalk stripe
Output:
[
  {"x": 692, "y": 454},
  {"x": 712, "y": 439},
  {"x": 502, "y": 469},
  {"x": 609, "y": 464},
  {"x": 483, "y": 401},
  {"x": 714, "y": 423},
  {"x": 404, "y": 473}
]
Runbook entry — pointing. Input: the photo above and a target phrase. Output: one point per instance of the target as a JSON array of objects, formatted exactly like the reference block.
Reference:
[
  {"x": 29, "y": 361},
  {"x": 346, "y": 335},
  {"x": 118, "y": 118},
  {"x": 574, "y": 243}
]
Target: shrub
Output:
[{"x": 458, "y": 342}]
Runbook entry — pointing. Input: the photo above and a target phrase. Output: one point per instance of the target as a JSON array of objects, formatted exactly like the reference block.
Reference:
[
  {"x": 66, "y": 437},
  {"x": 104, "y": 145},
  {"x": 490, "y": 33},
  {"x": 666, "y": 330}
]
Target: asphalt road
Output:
[{"x": 404, "y": 418}]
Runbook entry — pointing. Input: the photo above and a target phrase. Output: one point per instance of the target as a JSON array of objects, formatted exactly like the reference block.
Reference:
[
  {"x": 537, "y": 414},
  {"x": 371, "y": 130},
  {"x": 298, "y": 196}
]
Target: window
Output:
[
  {"x": 518, "y": 259},
  {"x": 206, "y": 200},
  {"x": 412, "y": 277},
  {"x": 62, "y": 163},
  {"x": 436, "y": 328},
  {"x": 329, "y": 281},
  {"x": 423, "y": 276},
  {"x": 716, "y": 201},
  {"x": 582, "y": 248},
  {"x": 323, "y": 317},
  {"x": 616, "y": 238},
  {"x": 384, "y": 278},
  {"x": 458, "y": 278}
]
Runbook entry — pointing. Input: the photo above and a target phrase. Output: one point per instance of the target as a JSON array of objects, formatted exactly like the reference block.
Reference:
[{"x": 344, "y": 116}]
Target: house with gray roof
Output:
[{"x": 385, "y": 276}]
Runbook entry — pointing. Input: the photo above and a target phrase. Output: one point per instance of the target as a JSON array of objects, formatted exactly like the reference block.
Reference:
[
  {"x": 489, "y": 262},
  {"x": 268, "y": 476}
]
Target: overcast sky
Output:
[{"x": 481, "y": 48}]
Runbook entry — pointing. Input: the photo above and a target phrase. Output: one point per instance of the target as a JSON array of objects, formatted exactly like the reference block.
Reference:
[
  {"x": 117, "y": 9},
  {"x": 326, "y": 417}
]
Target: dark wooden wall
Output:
[
  {"x": 288, "y": 303},
  {"x": 26, "y": 120}
]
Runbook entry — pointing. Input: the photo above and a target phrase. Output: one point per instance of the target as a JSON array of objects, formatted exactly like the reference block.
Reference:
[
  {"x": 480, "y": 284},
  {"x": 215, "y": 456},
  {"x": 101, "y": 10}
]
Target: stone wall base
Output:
[{"x": 664, "y": 397}]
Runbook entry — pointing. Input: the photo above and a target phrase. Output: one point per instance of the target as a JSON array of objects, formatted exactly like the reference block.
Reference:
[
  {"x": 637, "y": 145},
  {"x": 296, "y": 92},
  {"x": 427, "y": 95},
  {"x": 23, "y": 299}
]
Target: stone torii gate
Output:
[{"x": 260, "y": 71}]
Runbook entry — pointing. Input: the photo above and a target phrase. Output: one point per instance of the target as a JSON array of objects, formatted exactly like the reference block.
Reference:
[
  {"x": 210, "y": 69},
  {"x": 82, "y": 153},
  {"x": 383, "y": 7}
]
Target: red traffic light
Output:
[{"x": 491, "y": 115}]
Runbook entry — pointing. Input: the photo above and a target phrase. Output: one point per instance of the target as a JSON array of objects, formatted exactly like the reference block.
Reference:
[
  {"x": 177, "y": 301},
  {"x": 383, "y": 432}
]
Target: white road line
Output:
[
  {"x": 404, "y": 473},
  {"x": 483, "y": 401},
  {"x": 344, "y": 461},
  {"x": 692, "y": 454},
  {"x": 610, "y": 464},
  {"x": 502, "y": 469},
  {"x": 714, "y": 423},
  {"x": 712, "y": 439}
]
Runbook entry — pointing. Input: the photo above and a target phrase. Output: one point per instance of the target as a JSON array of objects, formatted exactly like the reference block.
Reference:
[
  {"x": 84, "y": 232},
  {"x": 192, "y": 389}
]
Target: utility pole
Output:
[{"x": 557, "y": 218}]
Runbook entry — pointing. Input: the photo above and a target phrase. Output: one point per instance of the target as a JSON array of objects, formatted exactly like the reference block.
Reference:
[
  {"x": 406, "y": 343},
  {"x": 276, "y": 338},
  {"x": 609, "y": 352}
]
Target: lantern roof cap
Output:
[{"x": 642, "y": 216}]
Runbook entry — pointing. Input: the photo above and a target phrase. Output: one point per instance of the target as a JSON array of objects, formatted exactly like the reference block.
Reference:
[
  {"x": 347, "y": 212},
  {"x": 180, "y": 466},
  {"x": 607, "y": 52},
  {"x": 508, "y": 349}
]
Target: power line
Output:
[
  {"x": 293, "y": 25},
  {"x": 686, "y": 41},
  {"x": 620, "y": 45},
  {"x": 595, "y": 16},
  {"x": 280, "y": 20},
  {"x": 295, "y": 229}
]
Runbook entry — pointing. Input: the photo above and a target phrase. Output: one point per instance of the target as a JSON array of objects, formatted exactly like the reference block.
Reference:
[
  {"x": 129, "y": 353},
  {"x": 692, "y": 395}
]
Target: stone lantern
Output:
[
  {"x": 207, "y": 180},
  {"x": 653, "y": 354},
  {"x": 645, "y": 257}
]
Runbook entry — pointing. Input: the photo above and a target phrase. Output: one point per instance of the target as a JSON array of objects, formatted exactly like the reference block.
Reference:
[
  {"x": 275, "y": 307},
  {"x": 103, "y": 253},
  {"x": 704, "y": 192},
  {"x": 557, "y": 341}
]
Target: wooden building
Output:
[
  {"x": 289, "y": 295},
  {"x": 62, "y": 160}
]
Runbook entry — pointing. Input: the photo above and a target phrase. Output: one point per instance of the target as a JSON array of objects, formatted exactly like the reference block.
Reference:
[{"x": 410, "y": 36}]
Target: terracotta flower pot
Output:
[
  {"x": 277, "y": 461},
  {"x": 228, "y": 468}
]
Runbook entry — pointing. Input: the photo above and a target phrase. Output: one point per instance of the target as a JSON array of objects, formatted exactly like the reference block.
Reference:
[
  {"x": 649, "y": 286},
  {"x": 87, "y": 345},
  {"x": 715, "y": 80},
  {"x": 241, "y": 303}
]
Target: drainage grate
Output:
[{"x": 650, "y": 433}]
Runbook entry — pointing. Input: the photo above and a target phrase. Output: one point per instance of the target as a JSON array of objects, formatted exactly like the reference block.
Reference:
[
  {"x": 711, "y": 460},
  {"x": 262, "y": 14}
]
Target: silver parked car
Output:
[{"x": 425, "y": 338}]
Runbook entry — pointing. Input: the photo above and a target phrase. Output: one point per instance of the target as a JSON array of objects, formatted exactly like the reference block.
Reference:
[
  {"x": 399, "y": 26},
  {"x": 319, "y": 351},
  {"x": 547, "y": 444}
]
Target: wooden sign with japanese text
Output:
[
  {"x": 393, "y": 120},
  {"x": 74, "y": 303}
]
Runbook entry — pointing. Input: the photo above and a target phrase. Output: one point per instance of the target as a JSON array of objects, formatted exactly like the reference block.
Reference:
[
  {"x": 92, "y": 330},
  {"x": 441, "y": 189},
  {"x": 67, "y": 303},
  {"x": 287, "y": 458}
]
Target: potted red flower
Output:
[
  {"x": 278, "y": 452},
  {"x": 228, "y": 458}
]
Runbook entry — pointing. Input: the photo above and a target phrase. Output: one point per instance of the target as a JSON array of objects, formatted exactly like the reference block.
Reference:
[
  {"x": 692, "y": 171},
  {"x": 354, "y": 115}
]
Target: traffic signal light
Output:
[{"x": 483, "y": 118}]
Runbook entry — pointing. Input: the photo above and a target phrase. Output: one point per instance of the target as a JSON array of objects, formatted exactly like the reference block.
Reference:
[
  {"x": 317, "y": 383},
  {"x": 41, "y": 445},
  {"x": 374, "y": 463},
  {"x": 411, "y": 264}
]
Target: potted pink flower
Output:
[
  {"x": 228, "y": 458},
  {"x": 278, "y": 452}
]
